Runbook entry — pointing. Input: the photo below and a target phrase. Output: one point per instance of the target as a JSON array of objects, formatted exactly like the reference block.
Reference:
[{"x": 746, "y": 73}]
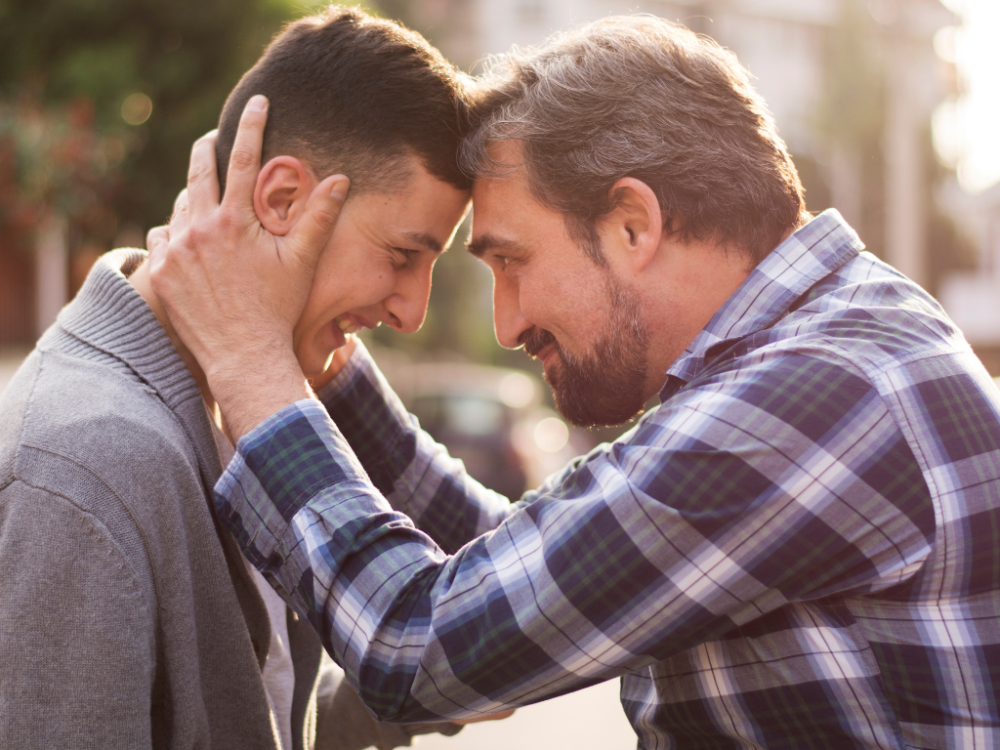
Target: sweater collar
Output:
[{"x": 109, "y": 315}]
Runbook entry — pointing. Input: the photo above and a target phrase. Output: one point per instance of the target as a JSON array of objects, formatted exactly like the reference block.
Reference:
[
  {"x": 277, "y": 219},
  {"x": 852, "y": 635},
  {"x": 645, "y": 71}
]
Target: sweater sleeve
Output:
[{"x": 75, "y": 630}]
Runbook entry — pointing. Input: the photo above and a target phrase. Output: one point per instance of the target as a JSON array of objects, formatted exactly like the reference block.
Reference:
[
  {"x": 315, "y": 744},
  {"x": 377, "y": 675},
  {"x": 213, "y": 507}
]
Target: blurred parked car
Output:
[{"x": 491, "y": 418}]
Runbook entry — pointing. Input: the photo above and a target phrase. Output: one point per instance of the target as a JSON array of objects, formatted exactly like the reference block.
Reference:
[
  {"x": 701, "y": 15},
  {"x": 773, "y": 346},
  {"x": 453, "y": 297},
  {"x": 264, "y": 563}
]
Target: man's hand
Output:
[{"x": 233, "y": 290}]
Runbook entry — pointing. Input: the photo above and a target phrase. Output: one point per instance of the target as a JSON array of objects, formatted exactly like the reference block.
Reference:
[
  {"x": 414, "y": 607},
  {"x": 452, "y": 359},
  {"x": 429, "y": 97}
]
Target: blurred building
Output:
[
  {"x": 972, "y": 298},
  {"x": 852, "y": 84}
]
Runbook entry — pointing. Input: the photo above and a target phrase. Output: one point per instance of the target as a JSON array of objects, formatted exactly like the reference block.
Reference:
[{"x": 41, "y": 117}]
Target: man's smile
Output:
[
  {"x": 541, "y": 345},
  {"x": 350, "y": 323}
]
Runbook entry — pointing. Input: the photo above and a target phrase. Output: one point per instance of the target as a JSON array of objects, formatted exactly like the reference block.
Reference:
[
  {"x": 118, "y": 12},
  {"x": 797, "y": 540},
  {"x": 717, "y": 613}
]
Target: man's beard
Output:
[{"x": 604, "y": 387}]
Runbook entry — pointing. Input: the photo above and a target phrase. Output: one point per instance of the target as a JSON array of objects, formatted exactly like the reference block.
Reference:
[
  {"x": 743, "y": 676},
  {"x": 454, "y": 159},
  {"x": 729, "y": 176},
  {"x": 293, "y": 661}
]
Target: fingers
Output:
[
  {"x": 244, "y": 160},
  {"x": 310, "y": 234},
  {"x": 156, "y": 243},
  {"x": 203, "y": 180},
  {"x": 181, "y": 217}
]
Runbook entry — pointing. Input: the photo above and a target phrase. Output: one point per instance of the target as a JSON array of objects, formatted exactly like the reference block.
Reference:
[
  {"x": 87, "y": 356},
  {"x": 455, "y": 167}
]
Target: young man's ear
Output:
[
  {"x": 633, "y": 229},
  {"x": 283, "y": 187}
]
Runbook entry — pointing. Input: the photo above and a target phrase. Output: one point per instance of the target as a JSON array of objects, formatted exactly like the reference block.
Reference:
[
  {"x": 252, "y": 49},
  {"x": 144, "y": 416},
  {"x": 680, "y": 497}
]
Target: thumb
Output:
[{"x": 310, "y": 234}]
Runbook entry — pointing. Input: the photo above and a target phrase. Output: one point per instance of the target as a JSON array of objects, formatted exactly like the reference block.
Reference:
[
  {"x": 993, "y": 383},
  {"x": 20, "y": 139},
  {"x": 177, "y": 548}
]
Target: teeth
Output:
[{"x": 347, "y": 326}]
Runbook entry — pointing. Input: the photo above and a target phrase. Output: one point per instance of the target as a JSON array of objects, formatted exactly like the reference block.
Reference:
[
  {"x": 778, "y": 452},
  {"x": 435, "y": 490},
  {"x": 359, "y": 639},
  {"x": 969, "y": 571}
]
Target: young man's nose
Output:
[
  {"x": 509, "y": 322},
  {"x": 406, "y": 307}
]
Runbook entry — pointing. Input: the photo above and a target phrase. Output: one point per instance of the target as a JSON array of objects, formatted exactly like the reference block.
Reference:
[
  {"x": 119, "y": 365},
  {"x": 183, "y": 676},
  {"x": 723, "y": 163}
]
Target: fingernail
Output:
[
  {"x": 339, "y": 190},
  {"x": 257, "y": 103}
]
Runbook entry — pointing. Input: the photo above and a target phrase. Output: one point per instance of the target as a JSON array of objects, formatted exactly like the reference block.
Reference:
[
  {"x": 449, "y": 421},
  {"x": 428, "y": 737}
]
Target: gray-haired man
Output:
[{"x": 797, "y": 548}]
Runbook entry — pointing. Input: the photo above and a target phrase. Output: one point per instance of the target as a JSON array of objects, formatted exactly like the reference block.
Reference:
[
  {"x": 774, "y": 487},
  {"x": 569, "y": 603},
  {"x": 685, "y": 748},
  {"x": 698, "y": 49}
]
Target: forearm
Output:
[
  {"x": 414, "y": 472},
  {"x": 647, "y": 548},
  {"x": 248, "y": 395},
  {"x": 417, "y": 632}
]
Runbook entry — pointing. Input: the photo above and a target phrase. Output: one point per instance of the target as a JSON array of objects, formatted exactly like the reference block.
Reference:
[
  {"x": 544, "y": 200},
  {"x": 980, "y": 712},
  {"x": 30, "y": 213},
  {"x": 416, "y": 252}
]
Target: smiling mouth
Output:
[
  {"x": 349, "y": 323},
  {"x": 539, "y": 343},
  {"x": 545, "y": 354},
  {"x": 347, "y": 326}
]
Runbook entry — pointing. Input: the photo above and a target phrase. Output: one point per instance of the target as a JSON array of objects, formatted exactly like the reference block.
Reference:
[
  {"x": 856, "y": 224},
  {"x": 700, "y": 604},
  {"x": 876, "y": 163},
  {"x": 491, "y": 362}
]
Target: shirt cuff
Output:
[{"x": 278, "y": 467}]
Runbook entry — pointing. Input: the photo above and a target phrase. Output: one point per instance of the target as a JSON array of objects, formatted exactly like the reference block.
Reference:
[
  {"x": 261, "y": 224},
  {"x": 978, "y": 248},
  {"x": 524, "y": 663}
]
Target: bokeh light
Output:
[{"x": 137, "y": 108}]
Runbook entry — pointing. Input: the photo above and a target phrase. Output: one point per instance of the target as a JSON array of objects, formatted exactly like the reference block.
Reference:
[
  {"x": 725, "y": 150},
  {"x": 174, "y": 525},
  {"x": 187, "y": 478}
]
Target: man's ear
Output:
[
  {"x": 283, "y": 187},
  {"x": 634, "y": 228}
]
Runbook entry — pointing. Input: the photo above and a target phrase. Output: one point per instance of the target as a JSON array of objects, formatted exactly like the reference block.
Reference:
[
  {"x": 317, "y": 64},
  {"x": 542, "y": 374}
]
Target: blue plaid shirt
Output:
[{"x": 800, "y": 547}]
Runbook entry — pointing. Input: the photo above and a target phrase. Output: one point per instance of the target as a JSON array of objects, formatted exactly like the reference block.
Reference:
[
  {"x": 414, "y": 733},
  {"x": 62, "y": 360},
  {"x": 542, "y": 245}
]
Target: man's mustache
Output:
[{"x": 537, "y": 340}]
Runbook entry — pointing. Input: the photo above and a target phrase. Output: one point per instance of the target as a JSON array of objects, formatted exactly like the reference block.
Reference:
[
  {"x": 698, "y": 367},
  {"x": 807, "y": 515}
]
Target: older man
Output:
[{"x": 797, "y": 548}]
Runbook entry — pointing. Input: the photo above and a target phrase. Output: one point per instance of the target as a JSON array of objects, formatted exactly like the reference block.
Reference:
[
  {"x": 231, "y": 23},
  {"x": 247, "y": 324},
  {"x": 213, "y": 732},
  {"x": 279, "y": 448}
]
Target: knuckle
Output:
[
  {"x": 157, "y": 236},
  {"x": 325, "y": 216},
  {"x": 242, "y": 159},
  {"x": 197, "y": 173},
  {"x": 196, "y": 236}
]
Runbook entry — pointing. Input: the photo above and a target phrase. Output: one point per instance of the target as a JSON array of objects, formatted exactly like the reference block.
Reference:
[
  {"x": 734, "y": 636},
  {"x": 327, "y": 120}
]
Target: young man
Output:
[
  {"x": 128, "y": 617},
  {"x": 800, "y": 547}
]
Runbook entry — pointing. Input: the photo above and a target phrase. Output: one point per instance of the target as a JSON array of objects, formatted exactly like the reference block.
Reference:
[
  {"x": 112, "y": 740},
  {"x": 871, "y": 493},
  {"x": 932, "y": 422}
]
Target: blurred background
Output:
[{"x": 891, "y": 109}]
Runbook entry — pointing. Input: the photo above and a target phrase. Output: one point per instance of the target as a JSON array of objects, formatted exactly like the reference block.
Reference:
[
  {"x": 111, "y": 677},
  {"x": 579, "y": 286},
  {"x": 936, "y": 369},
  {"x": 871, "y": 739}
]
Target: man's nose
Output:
[
  {"x": 406, "y": 307},
  {"x": 509, "y": 322}
]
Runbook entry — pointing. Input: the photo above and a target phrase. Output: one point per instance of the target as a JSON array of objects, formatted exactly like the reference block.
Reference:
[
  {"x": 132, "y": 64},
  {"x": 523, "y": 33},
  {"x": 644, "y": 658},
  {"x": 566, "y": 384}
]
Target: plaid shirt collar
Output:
[{"x": 813, "y": 252}]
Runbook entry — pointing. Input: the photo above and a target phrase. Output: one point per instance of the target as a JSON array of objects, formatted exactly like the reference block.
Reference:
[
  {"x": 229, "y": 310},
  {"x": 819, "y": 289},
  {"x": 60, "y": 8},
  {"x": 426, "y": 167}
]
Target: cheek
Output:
[
  {"x": 372, "y": 284},
  {"x": 545, "y": 298}
]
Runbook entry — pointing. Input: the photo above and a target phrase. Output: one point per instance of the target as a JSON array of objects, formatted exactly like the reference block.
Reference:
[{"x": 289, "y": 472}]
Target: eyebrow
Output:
[
  {"x": 488, "y": 242},
  {"x": 425, "y": 241}
]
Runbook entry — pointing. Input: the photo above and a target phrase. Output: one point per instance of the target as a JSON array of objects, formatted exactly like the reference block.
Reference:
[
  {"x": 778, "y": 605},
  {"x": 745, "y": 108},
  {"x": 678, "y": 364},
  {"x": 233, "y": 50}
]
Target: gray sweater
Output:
[{"x": 127, "y": 620}]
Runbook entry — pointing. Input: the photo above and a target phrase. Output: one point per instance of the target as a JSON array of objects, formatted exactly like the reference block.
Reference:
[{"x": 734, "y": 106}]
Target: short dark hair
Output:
[
  {"x": 637, "y": 96},
  {"x": 354, "y": 94}
]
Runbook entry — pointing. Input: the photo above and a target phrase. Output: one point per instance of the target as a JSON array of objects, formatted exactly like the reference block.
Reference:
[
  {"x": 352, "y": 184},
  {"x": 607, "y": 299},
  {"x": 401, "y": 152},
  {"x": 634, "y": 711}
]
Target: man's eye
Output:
[{"x": 405, "y": 252}]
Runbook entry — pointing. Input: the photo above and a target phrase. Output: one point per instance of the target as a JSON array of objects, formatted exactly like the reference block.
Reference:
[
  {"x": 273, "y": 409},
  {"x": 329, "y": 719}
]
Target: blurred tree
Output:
[{"x": 180, "y": 59}]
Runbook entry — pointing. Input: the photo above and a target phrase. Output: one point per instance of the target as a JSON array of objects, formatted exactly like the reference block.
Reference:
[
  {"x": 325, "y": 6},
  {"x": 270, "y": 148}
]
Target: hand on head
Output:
[{"x": 233, "y": 290}]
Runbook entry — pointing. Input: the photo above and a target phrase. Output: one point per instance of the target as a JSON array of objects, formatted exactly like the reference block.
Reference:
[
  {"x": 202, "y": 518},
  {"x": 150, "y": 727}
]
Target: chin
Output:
[{"x": 314, "y": 364}]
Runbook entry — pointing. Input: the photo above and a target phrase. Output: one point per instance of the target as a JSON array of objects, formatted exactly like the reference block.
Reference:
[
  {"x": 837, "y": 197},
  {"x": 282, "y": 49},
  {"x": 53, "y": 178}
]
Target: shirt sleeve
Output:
[
  {"x": 414, "y": 472},
  {"x": 744, "y": 491},
  {"x": 343, "y": 722}
]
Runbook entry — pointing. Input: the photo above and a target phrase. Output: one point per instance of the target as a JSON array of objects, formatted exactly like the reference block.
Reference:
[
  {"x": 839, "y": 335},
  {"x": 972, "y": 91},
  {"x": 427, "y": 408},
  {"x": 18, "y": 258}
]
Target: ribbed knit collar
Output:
[{"x": 111, "y": 316}]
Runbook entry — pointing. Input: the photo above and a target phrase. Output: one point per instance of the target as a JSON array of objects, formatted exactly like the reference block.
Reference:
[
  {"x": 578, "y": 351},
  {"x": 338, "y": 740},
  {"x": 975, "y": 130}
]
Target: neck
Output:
[
  {"x": 688, "y": 285},
  {"x": 141, "y": 281}
]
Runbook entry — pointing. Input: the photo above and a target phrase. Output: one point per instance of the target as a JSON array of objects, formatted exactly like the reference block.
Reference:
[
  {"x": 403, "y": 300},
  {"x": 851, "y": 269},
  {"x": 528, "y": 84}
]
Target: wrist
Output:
[{"x": 248, "y": 396}]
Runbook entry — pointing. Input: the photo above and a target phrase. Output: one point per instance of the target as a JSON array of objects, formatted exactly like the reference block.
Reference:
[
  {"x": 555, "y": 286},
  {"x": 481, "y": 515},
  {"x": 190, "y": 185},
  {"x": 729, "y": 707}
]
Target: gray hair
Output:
[{"x": 641, "y": 97}]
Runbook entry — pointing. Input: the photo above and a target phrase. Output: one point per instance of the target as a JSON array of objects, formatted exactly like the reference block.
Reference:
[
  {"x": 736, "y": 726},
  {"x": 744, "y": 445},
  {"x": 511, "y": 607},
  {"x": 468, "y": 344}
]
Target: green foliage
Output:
[
  {"x": 185, "y": 55},
  {"x": 52, "y": 160}
]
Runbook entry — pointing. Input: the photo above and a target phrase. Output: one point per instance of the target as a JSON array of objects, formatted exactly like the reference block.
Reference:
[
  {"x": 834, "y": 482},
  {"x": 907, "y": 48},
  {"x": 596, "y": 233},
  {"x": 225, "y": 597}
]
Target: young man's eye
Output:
[{"x": 405, "y": 253}]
